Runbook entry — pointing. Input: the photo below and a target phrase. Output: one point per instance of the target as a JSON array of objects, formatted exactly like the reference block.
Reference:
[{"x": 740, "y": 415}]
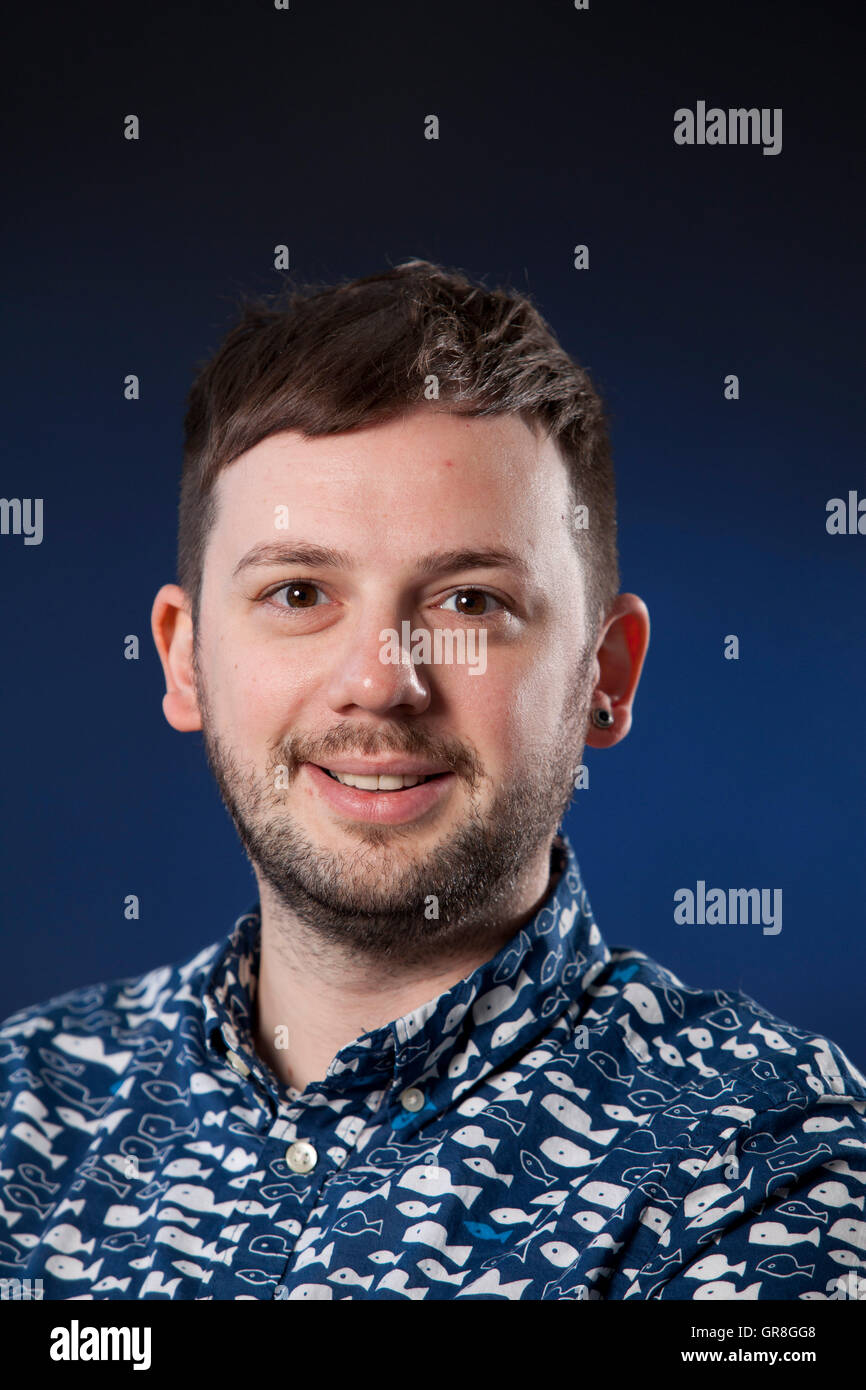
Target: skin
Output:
[{"x": 280, "y": 677}]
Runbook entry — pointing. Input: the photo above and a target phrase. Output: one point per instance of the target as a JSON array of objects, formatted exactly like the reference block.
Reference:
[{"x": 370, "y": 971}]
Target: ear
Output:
[
  {"x": 622, "y": 646},
  {"x": 171, "y": 625}
]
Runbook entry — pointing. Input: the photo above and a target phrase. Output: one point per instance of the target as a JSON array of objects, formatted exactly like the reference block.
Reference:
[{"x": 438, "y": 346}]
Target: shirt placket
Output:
[{"x": 303, "y": 1141}]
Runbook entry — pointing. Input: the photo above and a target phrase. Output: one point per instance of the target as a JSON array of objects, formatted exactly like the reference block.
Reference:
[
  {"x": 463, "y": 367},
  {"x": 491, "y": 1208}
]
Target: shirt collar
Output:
[{"x": 500, "y": 1010}]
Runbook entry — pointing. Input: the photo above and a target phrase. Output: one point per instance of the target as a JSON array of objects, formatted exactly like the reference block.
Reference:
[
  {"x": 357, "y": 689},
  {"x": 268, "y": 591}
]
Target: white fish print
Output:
[
  {"x": 696, "y": 1060},
  {"x": 201, "y": 1084},
  {"x": 238, "y": 1160},
  {"x": 201, "y": 1199},
  {"x": 67, "y": 1239},
  {"x": 723, "y": 1289},
  {"x": 643, "y": 999},
  {"x": 655, "y": 1218},
  {"x": 472, "y": 1106},
  {"x": 838, "y": 1165},
  {"x": 743, "y": 1052},
  {"x": 93, "y": 1050},
  {"x": 397, "y": 1281},
  {"x": 119, "y": 1215},
  {"x": 356, "y": 1198},
  {"x": 823, "y": 1124},
  {"x": 432, "y": 1181},
  {"x": 460, "y": 1061},
  {"x": 434, "y": 1270},
  {"x": 434, "y": 1234},
  {"x": 414, "y": 1210},
  {"x": 575, "y": 1119},
  {"x": 491, "y": 1283},
  {"x": 774, "y": 1233},
  {"x": 704, "y": 1197},
  {"x": 206, "y": 1149},
  {"x": 349, "y": 1276},
  {"x": 155, "y": 1283},
  {"x": 25, "y": 1103},
  {"x": 505, "y": 1032},
  {"x": 175, "y": 1214},
  {"x": 144, "y": 1262},
  {"x": 589, "y": 1220},
  {"x": 485, "y": 1169},
  {"x": 10, "y": 1217},
  {"x": 28, "y": 1134},
  {"x": 559, "y": 1253},
  {"x": 713, "y": 1267},
  {"x": 186, "y": 1168},
  {"x": 774, "y": 1039},
  {"x": 854, "y": 1232},
  {"x": 498, "y": 1000},
  {"x": 193, "y": 1270},
  {"x": 603, "y": 1194},
  {"x": 76, "y": 1206},
  {"x": 68, "y": 1267},
  {"x": 622, "y": 1112},
  {"x": 474, "y": 1137},
  {"x": 565, "y": 1153},
  {"x": 565, "y": 1083},
  {"x": 246, "y": 1207},
  {"x": 713, "y": 1214},
  {"x": 835, "y": 1194}
]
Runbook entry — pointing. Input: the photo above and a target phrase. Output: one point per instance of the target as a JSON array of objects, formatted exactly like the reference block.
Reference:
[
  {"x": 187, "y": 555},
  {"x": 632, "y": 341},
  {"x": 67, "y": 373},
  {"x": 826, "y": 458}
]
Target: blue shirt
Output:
[{"x": 567, "y": 1122}]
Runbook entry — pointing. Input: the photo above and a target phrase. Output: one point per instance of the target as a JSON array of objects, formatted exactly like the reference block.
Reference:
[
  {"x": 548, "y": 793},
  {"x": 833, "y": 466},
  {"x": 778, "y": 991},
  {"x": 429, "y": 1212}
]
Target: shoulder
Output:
[
  {"x": 716, "y": 1043},
  {"x": 99, "y": 1025},
  {"x": 757, "y": 1129}
]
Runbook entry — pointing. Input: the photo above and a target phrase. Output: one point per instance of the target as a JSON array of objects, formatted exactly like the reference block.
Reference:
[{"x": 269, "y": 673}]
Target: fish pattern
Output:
[{"x": 569, "y": 1121}]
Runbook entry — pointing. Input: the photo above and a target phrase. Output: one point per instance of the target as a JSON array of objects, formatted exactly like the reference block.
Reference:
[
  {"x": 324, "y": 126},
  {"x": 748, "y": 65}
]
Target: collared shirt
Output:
[{"x": 568, "y": 1121}]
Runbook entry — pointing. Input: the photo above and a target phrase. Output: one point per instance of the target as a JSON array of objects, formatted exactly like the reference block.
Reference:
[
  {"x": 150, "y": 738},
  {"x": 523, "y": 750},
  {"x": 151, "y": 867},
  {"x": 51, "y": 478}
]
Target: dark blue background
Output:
[{"x": 306, "y": 127}]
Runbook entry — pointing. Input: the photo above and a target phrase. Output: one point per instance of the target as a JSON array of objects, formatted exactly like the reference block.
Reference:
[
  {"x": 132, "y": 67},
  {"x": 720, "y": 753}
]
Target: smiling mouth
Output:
[{"x": 389, "y": 782}]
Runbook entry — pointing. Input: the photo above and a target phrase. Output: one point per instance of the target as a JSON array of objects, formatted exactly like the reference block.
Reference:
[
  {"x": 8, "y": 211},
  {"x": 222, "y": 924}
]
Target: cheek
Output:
[
  {"x": 256, "y": 696},
  {"x": 510, "y": 713},
  {"x": 536, "y": 710}
]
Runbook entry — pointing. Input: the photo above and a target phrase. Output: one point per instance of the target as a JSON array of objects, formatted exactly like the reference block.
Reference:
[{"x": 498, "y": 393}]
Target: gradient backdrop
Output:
[{"x": 306, "y": 127}]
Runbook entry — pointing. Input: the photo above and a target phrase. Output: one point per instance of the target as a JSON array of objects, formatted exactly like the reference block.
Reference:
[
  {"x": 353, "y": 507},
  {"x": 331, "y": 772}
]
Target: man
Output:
[{"x": 414, "y": 1069}]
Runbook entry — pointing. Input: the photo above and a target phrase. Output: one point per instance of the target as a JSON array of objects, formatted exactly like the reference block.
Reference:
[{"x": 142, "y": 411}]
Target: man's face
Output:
[{"x": 290, "y": 678}]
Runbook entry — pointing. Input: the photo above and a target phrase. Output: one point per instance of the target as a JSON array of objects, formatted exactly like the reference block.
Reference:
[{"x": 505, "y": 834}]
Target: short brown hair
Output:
[{"x": 321, "y": 360}]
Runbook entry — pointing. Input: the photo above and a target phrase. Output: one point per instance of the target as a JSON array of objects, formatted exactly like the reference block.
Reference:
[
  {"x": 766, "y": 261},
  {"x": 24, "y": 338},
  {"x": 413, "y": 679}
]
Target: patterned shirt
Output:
[{"x": 568, "y": 1121}]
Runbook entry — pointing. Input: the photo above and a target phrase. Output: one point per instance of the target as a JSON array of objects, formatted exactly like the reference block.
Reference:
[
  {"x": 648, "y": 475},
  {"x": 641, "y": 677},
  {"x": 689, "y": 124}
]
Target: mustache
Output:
[{"x": 372, "y": 743}]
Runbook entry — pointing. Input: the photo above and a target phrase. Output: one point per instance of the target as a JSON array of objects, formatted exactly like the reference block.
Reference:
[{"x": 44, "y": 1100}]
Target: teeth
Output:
[{"x": 376, "y": 784}]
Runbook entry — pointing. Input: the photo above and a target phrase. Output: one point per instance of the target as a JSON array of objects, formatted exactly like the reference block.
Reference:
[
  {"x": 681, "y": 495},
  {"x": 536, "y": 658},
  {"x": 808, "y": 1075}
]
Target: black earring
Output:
[{"x": 602, "y": 718}]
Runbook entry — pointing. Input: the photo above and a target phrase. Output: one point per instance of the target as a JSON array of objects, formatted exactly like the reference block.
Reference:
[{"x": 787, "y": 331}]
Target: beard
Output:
[{"x": 377, "y": 900}]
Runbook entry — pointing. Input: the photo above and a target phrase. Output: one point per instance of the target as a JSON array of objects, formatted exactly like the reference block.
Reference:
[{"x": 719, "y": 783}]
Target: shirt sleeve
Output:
[{"x": 776, "y": 1212}]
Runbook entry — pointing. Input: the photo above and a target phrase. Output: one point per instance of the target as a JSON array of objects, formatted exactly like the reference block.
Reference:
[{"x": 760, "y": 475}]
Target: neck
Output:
[{"x": 321, "y": 998}]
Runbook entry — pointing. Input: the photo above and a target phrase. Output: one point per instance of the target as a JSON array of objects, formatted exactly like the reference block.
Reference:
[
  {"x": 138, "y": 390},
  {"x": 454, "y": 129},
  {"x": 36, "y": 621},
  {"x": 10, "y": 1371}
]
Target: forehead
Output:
[{"x": 463, "y": 479}]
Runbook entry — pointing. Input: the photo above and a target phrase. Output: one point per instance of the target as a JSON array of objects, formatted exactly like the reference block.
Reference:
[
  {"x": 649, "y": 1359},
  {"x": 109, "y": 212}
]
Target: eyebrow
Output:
[{"x": 436, "y": 562}]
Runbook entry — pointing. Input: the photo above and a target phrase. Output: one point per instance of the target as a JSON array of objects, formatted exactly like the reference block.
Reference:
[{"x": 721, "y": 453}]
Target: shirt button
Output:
[
  {"x": 301, "y": 1157},
  {"x": 238, "y": 1063},
  {"x": 412, "y": 1098}
]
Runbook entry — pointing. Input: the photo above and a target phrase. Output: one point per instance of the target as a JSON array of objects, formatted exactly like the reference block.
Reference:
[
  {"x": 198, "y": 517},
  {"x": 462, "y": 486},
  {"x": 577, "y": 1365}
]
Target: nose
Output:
[{"x": 375, "y": 672}]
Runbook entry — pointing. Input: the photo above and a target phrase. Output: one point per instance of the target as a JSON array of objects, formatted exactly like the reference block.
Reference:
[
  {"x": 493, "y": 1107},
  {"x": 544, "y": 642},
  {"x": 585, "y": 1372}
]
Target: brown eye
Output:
[
  {"x": 300, "y": 595},
  {"x": 470, "y": 602}
]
